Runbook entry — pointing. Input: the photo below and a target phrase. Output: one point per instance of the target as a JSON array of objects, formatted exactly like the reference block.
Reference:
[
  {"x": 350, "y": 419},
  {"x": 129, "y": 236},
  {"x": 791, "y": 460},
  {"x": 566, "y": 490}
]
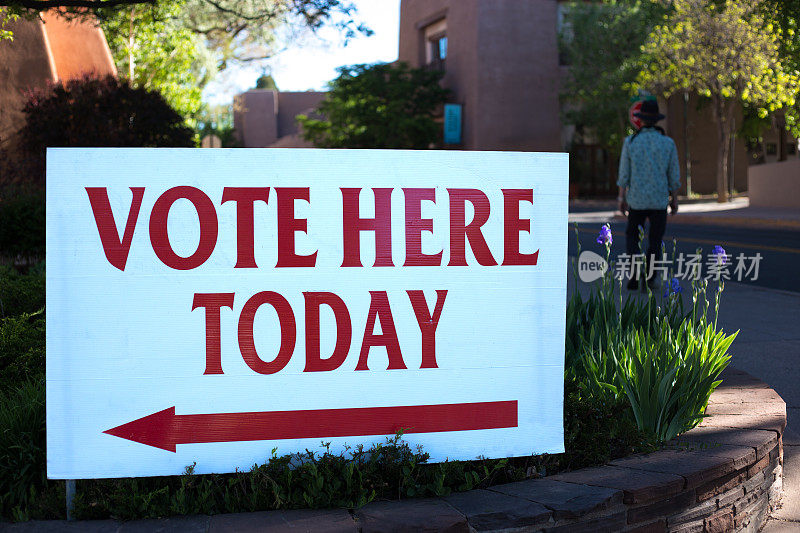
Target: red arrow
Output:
[{"x": 165, "y": 429}]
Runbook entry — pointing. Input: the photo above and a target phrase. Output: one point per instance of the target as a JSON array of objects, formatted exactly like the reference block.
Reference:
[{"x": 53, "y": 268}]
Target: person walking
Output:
[{"x": 649, "y": 179}]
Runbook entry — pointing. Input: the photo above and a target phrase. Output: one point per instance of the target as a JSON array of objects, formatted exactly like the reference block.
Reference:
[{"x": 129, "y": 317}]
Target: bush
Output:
[
  {"x": 662, "y": 359},
  {"x": 595, "y": 432},
  {"x": 90, "y": 112},
  {"x": 22, "y": 225},
  {"x": 21, "y": 293},
  {"x": 22, "y": 448},
  {"x": 22, "y": 349},
  {"x": 378, "y": 106}
]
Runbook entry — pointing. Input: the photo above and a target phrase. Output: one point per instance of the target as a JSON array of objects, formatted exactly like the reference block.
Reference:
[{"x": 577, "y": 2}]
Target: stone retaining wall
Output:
[{"x": 724, "y": 475}]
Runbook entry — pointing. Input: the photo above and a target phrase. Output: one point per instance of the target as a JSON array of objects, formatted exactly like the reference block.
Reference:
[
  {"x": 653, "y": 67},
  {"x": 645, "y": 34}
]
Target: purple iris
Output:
[
  {"x": 675, "y": 286},
  {"x": 719, "y": 251},
  {"x": 605, "y": 236}
]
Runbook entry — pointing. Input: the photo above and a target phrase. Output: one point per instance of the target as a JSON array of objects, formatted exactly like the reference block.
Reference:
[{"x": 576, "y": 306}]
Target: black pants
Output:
[{"x": 658, "y": 225}]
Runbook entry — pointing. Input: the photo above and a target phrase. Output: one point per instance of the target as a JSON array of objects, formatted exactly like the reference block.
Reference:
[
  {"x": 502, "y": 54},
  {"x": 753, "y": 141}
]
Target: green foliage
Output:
[
  {"x": 266, "y": 81},
  {"x": 230, "y": 31},
  {"x": 100, "y": 112},
  {"x": 378, "y": 106},
  {"x": 21, "y": 293},
  {"x": 727, "y": 51},
  {"x": 244, "y": 31},
  {"x": 22, "y": 448},
  {"x": 786, "y": 15},
  {"x": 664, "y": 360},
  {"x": 22, "y": 348},
  {"x": 22, "y": 224},
  {"x": 601, "y": 44},
  {"x": 668, "y": 376},
  {"x": 154, "y": 51},
  {"x": 6, "y": 17},
  {"x": 595, "y": 432},
  {"x": 218, "y": 120}
]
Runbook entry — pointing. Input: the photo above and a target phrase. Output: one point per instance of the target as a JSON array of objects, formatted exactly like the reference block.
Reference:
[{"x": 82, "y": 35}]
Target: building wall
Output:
[
  {"x": 265, "y": 117},
  {"x": 291, "y": 104},
  {"x": 518, "y": 76},
  {"x": 703, "y": 143},
  {"x": 78, "y": 47},
  {"x": 775, "y": 184},
  {"x": 45, "y": 51},
  {"x": 504, "y": 73},
  {"x": 25, "y": 63}
]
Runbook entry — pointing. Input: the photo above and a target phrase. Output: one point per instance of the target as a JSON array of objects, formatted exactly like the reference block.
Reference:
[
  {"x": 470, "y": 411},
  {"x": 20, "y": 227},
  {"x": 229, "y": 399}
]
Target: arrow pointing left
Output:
[{"x": 166, "y": 430}]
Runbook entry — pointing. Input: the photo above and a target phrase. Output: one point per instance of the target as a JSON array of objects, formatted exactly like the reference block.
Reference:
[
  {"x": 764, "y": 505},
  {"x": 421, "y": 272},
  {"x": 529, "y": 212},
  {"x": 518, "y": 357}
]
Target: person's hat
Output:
[{"x": 649, "y": 111}]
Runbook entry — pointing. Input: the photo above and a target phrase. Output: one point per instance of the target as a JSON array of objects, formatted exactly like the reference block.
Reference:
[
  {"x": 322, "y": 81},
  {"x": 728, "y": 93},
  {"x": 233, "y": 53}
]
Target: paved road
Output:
[{"x": 780, "y": 248}]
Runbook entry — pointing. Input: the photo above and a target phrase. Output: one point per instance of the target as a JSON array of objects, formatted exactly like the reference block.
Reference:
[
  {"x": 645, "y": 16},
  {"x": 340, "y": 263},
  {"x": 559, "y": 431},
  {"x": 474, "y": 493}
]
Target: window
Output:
[
  {"x": 435, "y": 38},
  {"x": 441, "y": 44}
]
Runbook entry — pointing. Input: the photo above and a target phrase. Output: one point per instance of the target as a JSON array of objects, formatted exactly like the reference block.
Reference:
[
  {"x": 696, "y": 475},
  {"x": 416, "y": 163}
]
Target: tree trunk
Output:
[
  {"x": 131, "y": 44},
  {"x": 721, "y": 110}
]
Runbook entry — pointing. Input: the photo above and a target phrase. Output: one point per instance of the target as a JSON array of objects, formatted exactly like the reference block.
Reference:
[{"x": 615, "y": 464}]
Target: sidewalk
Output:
[{"x": 735, "y": 213}]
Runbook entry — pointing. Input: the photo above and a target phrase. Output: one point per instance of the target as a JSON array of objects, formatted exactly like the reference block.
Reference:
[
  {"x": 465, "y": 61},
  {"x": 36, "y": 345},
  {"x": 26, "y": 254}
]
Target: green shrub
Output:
[
  {"x": 21, "y": 293},
  {"x": 92, "y": 112},
  {"x": 650, "y": 351},
  {"x": 22, "y": 348},
  {"x": 595, "y": 432},
  {"x": 22, "y": 447},
  {"x": 668, "y": 377},
  {"x": 22, "y": 223},
  {"x": 385, "y": 105}
]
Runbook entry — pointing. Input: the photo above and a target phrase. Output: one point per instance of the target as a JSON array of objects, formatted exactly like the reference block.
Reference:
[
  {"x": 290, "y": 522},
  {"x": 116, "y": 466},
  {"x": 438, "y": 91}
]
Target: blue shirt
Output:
[{"x": 648, "y": 169}]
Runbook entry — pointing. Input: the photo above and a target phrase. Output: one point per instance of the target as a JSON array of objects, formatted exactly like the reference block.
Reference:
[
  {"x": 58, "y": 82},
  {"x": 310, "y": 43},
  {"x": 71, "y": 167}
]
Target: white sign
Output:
[{"x": 207, "y": 306}]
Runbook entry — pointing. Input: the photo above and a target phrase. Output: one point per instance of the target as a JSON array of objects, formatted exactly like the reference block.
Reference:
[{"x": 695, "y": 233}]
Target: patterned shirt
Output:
[{"x": 648, "y": 169}]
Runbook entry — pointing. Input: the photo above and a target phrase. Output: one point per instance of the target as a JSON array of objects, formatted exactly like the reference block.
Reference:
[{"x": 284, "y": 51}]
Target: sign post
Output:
[{"x": 207, "y": 306}]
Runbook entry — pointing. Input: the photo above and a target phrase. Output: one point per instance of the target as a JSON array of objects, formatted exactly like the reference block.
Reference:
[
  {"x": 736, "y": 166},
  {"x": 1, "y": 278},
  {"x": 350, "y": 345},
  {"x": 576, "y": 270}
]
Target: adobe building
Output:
[
  {"x": 265, "y": 118},
  {"x": 44, "y": 51},
  {"x": 502, "y": 63}
]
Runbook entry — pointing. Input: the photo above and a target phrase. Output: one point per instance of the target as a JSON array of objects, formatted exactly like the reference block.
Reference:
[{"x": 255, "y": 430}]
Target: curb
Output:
[
  {"x": 739, "y": 222},
  {"x": 724, "y": 475}
]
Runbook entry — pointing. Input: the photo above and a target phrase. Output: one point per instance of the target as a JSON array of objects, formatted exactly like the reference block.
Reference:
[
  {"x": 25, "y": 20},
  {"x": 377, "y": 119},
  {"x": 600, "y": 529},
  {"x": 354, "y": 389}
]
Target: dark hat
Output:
[{"x": 649, "y": 111}]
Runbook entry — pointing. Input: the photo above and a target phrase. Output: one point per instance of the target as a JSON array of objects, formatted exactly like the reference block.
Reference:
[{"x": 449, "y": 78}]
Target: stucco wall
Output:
[
  {"x": 77, "y": 47},
  {"x": 501, "y": 65},
  {"x": 461, "y": 73},
  {"x": 255, "y": 118},
  {"x": 291, "y": 104},
  {"x": 702, "y": 135},
  {"x": 24, "y": 63},
  {"x": 45, "y": 51},
  {"x": 775, "y": 184},
  {"x": 264, "y": 117},
  {"x": 518, "y": 76}
]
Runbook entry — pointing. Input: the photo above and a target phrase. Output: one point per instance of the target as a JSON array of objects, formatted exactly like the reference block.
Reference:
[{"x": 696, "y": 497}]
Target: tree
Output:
[
  {"x": 153, "y": 51},
  {"x": 6, "y": 17},
  {"x": 378, "y": 106},
  {"x": 601, "y": 43},
  {"x": 266, "y": 81},
  {"x": 786, "y": 14},
  {"x": 243, "y": 31},
  {"x": 233, "y": 30},
  {"x": 726, "y": 51},
  {"x": 90, "y": 112}
]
